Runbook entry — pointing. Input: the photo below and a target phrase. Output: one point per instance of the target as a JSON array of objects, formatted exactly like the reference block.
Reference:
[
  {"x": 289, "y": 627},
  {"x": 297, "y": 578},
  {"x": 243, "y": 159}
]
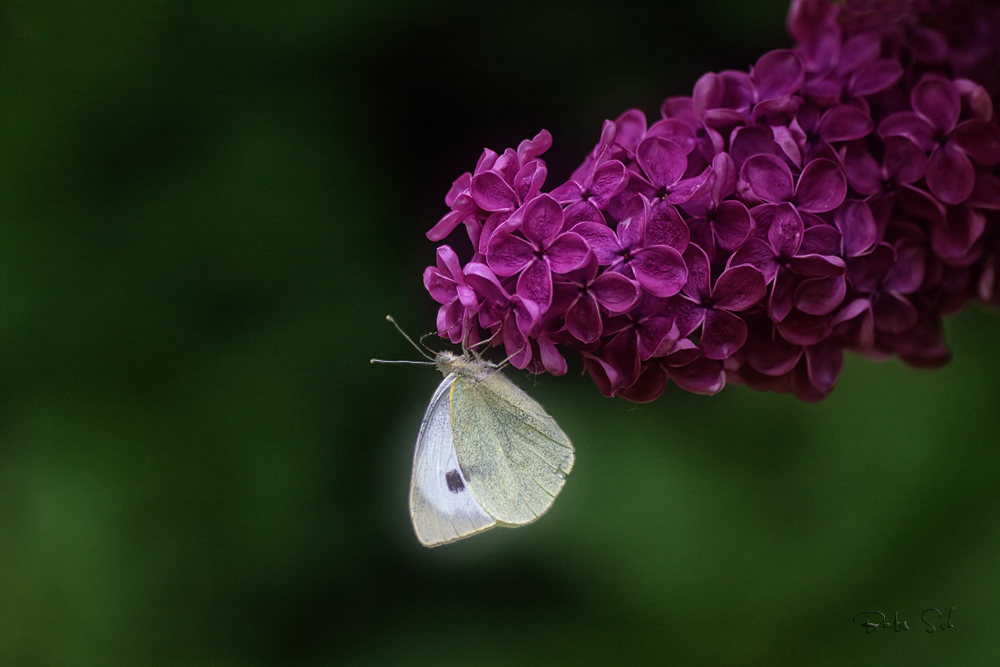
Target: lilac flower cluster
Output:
[{"x": 843, "y": 195}]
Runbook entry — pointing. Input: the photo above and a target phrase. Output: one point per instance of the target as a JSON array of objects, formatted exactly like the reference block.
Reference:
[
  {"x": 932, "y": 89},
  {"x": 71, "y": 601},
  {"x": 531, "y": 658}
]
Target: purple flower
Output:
[
  {"x": 646, "y": 331},
  {"x": 446, "y": 284},
  {"x": 934, "y": 126},
  {"x": 885, "y": 276},
  {"x": 600, "y": 178},
  {"x": 842, "y": 195},
  {"x": 821, "y": 186},
  {"x": 586, "y": 293},
  {"x": 726, "y": 221},
  {"x": 634, "y": 250},
  {"x": 800, "y": 264},
  {"x": 712, "y": 307},
  {"x": 544, "y": 249}
]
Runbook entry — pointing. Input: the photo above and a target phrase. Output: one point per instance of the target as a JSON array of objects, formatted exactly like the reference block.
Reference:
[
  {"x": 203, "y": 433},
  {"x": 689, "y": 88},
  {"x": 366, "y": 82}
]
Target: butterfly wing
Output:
[
  {"x": 514, "y": 456},
  {"x": 441, "y": 506}
]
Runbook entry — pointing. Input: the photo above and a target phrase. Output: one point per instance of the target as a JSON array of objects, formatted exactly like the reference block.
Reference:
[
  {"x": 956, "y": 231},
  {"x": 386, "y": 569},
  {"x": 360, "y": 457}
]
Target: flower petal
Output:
[
  {"x": 722, "y": 334},
  {"x": 950, "y": 174},
  {"x": 910, "y": 125},
  {"x": 820, "y": 239},
  {"x": 692, "y": 188},
  {"x": 773, "y": 355},
  {"x": 601, "y": 240},
  {"x": 485, "y": 283},
  {"x": 863, "y": 172},
  {"x": 663, "y": 161},
  {"x": 450, "y": 318},
  {"x": 442, "y": 288},
  {"x": 507, "y": 254},
  {"x": 532, "y": 148},
  {"x": 937, "y": 100},
  {"x": 782, "y": 298},
  {"x": 893, "y": 313},
  {"x": 552, "y": 361},
  {"x": 865, "y": 273},
  {"x": 622, "y": 355},
  {"x": 656, "y": 335},
  {"x": 824, "y": 362},
  {"x": 857, "y": 225},
  {"x": 975, "y": 98},
  {"x": 534, "y": 285},
  {"x": 844, "y": 122},
  {"x": 786, "y": 230},
  {"x": 979, "y": 140},
  {"x": 739, "y": 288},
  {"x": 448, "y": 263},
  {"x": 630, "y": 129},
  {"x": 492, "y": 193},
  {"x": 821, "y": 187},
  {"x": 605, "y": 377},
  {"x": 768, "y": 177},
  {"x": 757, "y": 254},
  {"x": 820, "y": 296},
  {"x": 986, "y": 193},
  {"x": 777, "y": 74},
  {"x": 632, "y": 228},
  {"x": 665, "y": 226},
  {"x": 676, "y": 131},
  {"x": 458, "y": 186},
  {"x": 962, "y": 227},
  {"x": 615, "y": 292},
  {"x": 447, "y": 224},
  {"x": 725, "y": 177},
  {"x": 699, "y": 275},
  {"x": 609, "y": 179},
  {"x": 907, "y": 274},
  {"x": 750, "y": 141},
  {"x": 529, "y": 180},
  {"x": 731, "y": 224},
  {"x": 583, "y": 320},
  {"x": 649, "y": 386},
  {"x": 817, "y": 266},
  {"x": 904, "y": 161},
  {"x": 803, "y": 329},
  {"x": 660, "y": 270},
  {"x": 581, "y": 211},
  {"x": 702, "y": 376},
  {"x": 874, "y": 77},
  {"x": 567, "y": 252},
  {"x": 542, "y": 221}
]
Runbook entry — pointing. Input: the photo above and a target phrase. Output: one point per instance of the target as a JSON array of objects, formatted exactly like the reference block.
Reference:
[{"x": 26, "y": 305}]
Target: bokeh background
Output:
[{"x": 206, "y": 211}]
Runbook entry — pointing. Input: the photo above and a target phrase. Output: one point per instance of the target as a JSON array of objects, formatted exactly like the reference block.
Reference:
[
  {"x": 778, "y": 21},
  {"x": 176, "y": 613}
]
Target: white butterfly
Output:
[{"x": 487, "y": 454}]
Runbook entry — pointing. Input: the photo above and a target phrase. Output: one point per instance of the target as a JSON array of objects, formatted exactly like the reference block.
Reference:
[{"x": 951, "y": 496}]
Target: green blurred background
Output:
[{"x": 206, "y": 211}]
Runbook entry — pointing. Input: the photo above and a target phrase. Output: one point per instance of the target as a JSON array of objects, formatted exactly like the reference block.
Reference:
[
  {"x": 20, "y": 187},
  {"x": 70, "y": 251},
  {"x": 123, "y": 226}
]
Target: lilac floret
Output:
[{"x": 841, "y": 195}]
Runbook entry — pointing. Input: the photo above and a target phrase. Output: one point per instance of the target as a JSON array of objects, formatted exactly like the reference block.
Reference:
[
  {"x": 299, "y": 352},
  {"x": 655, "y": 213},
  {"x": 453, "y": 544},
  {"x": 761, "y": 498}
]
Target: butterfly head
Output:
[{"x": 468, "y": 363}]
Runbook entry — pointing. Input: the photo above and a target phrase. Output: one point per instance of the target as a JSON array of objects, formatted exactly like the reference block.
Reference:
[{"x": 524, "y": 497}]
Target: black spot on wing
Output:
[{"x": 454, "y": 480}]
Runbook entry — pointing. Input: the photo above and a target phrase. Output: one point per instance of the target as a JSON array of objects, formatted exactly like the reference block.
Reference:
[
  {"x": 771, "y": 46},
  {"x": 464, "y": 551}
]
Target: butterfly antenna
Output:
[
  {"x": 410, "y": 340},
  {"x": 402, "y": 361}
]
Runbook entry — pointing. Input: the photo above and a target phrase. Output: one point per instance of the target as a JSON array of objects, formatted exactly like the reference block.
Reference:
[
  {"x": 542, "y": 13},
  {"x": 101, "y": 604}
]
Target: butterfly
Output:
[{"x": 487, "y": 454}]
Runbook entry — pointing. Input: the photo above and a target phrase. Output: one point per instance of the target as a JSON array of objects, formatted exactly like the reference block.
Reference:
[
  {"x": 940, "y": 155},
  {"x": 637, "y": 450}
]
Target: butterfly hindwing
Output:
[
  {"x": 442, "y": 507},
  {"x": 512, "y": 453}
]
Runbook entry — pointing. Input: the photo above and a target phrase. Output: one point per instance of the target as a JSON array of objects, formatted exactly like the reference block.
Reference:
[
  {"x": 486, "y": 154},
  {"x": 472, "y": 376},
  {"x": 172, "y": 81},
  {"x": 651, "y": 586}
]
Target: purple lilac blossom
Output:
[{"x": 841, "y": 195}]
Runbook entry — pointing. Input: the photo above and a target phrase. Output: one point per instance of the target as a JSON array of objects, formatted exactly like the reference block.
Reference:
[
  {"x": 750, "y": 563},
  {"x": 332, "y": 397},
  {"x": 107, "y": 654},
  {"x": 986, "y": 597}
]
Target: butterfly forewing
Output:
[
  {"x": 441, "y": 505},
  {"x": 514, "y": 456}
]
